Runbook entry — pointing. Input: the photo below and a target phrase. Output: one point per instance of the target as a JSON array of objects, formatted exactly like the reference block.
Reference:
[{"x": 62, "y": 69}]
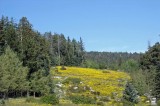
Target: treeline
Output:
[
  {"x": 145, "y": 76},
  {"x": 27, "y": 55},
  {"x": 64, "y": 51},
  {"x": 110, "y": 60}
]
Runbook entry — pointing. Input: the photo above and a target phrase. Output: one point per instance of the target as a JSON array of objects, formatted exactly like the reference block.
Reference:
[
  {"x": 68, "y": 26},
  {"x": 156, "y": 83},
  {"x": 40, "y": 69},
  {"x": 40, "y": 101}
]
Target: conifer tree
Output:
[
  {"x": 150, "y": 62},
  {"x": 130, "y": 93},
  {"x": 12, "y": 75},
  {"x": 40, "y": 83}
]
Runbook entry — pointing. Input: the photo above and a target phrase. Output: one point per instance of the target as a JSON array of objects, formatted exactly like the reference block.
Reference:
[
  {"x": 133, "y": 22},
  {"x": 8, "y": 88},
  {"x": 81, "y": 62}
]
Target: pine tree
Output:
[
  {"x": 63, "y": 50},
  {"x": 150, "y": 62},
  {"x": 34, "y": 50},
  {"x": 40, "y": 83},
  {"x": 82, "y": 52},
  {"x": 3, "y": 24},
  {"x": 130, "y": 94},
  {"x": 12, "y": 73},
  {"x": 69, "y": 51}
]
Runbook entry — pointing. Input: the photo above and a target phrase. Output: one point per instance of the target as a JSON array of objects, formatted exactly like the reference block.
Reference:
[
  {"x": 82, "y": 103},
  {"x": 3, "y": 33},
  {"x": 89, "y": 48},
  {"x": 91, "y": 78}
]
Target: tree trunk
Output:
[
  {"x": 4, "y": 96},
  {"x": 27, "y": 94},
  {"x": 21, "y": 93},
  {"x": 14, "y": 94},
  {"x": 34, "y": 93}
]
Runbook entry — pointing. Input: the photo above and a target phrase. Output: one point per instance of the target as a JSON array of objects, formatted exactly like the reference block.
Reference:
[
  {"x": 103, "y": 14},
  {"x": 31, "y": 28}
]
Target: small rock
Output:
[{"x": 75, "y": 88}]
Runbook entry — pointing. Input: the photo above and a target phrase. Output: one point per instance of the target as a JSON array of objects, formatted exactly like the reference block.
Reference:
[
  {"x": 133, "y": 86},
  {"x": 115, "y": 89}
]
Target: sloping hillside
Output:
[{"x": 90, "y": 82}]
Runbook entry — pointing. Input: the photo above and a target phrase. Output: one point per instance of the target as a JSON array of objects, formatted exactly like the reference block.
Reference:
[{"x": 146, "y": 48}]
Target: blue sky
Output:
[{"x": 104, "y": 25}]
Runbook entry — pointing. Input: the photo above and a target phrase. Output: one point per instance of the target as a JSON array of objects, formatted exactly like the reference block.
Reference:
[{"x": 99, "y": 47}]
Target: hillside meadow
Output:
[{"x": 104, "y": 81}]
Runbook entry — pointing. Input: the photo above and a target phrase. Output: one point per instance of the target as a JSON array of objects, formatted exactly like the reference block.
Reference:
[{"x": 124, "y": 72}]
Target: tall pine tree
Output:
[{"x": 150, "y": 62}]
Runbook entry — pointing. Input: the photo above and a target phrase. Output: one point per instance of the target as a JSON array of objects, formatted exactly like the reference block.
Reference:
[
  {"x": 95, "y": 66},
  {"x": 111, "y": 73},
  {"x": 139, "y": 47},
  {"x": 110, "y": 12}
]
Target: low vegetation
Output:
[{"x": 94, "y": 84}]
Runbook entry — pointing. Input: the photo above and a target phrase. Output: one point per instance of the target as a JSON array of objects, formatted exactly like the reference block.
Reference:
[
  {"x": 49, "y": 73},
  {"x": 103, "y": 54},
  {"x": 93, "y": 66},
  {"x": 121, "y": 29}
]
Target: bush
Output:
[
  {"x": 105, "y": 99},
  {"x": 72, "y": 80},
  {"x": 100, "y": 103},
  {"x": 130, "y": 93},
  {"x": 105, "y": 71},
  {"x": 56, "y": 70},
  {"x": 50, "y": 99},
  {"x": 31, "y": 99},
  {"x": 2, "y": 102},
  {"x": 127, "y": 103},
  {"x": 63, "y": 68},
  {"x": 82, "y": 100}
]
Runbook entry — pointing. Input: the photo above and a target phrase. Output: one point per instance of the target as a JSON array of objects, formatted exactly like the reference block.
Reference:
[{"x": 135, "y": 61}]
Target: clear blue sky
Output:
[{"x": 104, "y": 25}]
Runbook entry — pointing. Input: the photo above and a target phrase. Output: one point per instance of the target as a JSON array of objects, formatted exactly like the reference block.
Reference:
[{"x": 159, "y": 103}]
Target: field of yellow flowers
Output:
[{"x": 106, "y": 82}]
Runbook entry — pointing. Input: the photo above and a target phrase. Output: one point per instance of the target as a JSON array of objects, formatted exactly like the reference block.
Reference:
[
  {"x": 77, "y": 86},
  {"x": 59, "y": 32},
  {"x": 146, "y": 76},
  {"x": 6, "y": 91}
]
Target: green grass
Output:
[{"x": 22, "y": 102}]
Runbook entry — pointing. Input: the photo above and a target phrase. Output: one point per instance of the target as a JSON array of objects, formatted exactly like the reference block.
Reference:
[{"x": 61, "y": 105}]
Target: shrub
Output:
[
  {"x": 2, "y": 102},
  {"x": 56, "y": 70},
  {"x": 82, "y": 100},
  {"x": 130, "y": 93},
  {"x": 50, "y": 99},
  {"x": 63, "y": 68},
  {"x": 105, "y": 71},
  {"x": 100, "y": 103},
  {"x": 72, "y": 80},
  {"x": 105, "y": 99},
  {"x": 127, "y": 103}
]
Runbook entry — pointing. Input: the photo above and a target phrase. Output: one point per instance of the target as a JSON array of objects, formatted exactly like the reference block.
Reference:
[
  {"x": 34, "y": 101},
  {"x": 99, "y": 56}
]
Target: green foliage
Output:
[
  {"x": 2, "y": 102},
  {"x": 105, "y": 99},
  {"x": 91, "y": 64},
  {"x": 100, "y": 103},
  {"x": 72, "y": 80},
  {"x": 40, "y": 83},
  {"x": 65, "y": 51},
  {"x": 128, "y": 103},
  {"x": 109, "y": 60},
  {"x": 50, "y": 99},
  {"x": 130, "y": 65},
  {"x": 139, "y": 81},
  {"x": 130, "y": 93},
  {"x": 31, "y": 49},
  {"x": 150, "y": 64},
  {"x": 31, "y": 44},
  {"x": 77, "y": 99},
  {"x": 12, "y": 75}
]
